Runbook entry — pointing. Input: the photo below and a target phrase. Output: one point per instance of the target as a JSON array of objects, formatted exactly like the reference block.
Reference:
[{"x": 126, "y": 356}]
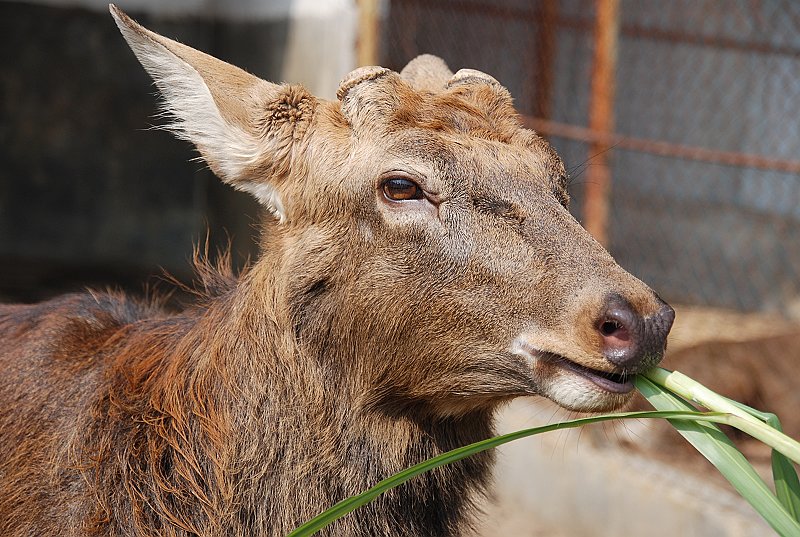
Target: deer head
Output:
[{"x": 418, "y": 241}]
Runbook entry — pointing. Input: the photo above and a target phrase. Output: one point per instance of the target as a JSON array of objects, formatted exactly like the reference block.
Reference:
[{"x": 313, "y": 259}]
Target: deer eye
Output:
[{"x": 401, "y": 189}]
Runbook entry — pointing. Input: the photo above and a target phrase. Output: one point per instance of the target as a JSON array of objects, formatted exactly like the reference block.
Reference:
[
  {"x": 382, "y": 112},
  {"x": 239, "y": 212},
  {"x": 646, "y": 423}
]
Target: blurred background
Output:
[{"x": 677, "y": 120}]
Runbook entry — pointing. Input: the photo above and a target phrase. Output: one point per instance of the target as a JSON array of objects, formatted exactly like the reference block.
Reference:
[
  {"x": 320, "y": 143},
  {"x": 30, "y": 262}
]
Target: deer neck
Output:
[{"x": 332, "y": 443}]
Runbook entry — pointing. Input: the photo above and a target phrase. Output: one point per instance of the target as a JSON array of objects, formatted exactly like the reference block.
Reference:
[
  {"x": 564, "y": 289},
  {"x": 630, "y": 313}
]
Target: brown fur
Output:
[{"x": 368, "y": 336}]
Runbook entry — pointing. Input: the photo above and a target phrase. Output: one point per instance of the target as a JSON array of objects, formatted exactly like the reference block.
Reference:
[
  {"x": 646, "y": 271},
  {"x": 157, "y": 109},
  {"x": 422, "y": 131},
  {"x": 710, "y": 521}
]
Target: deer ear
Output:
[{"x": 244, "y": 127}]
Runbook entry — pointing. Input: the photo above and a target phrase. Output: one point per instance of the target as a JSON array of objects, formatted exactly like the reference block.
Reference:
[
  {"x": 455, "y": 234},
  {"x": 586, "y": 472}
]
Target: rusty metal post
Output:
[
  {"x": 601, "y": 119},
  {"x": 545, "y": 47},
  {"x": 368, "y": 44}
]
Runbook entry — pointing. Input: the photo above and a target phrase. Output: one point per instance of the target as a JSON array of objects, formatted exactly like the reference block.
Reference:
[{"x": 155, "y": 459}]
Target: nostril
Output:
[
  {"x": 620, "y": 330},
  {"x": 629, "y": 339},
  {"x": 615, "y": 333},
  {"x": 610, "y": 328}
]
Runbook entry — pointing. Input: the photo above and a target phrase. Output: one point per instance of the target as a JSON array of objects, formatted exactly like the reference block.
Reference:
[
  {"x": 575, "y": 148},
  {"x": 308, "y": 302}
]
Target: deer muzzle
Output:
[{"x": 593, "y": 367}]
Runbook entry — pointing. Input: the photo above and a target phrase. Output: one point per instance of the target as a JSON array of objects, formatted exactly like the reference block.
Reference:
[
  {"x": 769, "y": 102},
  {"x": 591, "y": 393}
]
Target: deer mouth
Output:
[
  {"x": 573, "y": 385},
  {"x": 614, "y": 382}
]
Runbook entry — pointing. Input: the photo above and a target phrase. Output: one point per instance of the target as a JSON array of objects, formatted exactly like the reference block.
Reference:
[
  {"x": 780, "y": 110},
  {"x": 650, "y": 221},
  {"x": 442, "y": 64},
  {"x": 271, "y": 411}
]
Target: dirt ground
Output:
[{"x": 752, "y": 358}]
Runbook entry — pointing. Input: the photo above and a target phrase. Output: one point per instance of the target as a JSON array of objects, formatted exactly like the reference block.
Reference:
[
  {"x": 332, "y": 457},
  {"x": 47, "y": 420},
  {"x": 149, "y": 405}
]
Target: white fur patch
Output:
[
  {"x": 267, "y": 196},
  {"x": 562, "y": 386}
]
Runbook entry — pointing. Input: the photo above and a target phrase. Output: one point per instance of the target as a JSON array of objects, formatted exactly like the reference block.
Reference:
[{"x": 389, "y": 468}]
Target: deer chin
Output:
[{"x": 572, "y": 385}]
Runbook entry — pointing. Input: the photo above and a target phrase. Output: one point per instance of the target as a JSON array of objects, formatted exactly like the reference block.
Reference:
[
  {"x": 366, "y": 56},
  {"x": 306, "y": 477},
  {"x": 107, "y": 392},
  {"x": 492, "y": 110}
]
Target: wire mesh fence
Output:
[{"x": 704, "y": 149}]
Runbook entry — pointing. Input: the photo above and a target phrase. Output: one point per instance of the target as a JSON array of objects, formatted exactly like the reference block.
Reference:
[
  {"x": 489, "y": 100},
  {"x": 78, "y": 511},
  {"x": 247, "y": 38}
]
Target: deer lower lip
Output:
[{"x": 612, "y": 382}]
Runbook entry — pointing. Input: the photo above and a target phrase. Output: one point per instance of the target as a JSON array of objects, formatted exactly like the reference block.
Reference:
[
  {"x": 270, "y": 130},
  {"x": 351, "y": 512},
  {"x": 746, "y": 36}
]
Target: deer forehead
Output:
[
  {"x": 379, "y": 106},
  {"x": 443, "y": 162}
]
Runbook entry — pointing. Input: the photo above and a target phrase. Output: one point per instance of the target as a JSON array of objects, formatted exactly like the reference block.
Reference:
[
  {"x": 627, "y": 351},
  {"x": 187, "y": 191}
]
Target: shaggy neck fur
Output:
[{"x": 191, "y": 426}]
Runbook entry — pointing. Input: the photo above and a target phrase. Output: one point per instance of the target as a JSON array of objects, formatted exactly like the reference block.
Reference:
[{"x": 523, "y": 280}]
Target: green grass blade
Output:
[
  {"x": 784, "y": 474},
  {"x": 766, "y": 417},
  {"x": 688, "y": 388},
  {"x": 767, "y": 434},
  {"x": 720, "y": 451},
  {"x": 787, "y": 485},
  {"x": 352, "y": 503}
]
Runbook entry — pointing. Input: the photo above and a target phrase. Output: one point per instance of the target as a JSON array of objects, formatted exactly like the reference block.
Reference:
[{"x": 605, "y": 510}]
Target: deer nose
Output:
[{"x": 631, "y": 340}]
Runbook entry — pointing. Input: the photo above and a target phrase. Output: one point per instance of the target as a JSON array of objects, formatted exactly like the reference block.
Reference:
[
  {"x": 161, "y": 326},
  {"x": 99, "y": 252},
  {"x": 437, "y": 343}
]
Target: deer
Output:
[{"x": 419, "y": 268}]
